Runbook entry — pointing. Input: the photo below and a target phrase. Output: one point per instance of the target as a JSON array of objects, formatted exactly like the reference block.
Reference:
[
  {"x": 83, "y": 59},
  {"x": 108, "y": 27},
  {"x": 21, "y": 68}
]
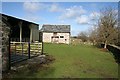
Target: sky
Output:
[{"x": 79, "y": 15}]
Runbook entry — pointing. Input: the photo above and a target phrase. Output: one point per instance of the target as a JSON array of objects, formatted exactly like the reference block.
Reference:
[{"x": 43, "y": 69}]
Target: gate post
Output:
[
  {"x": 29, "y": 50},
  {"x": 42, "y": 44},
  {"x": 9, "y": 54},
  {"x": 42, "y": 49}
]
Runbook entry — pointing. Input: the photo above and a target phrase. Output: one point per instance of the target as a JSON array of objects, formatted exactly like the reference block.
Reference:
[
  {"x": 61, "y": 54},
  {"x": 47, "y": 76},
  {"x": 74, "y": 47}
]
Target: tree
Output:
[
  {"x": 83, "y": 36},
  {"x": 107, "y": 32},
  {"x": 93, "y": 34},
  {"x": 118, "y": 40}
]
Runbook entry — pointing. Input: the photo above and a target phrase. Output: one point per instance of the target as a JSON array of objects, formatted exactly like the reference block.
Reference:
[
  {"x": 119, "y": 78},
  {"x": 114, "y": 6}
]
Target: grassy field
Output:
[
  {"x": 81, "y": 61},
  {"x": 76, "y": 61}
]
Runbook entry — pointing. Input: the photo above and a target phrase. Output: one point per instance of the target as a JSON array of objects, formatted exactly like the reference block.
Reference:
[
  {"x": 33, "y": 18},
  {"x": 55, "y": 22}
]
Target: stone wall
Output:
[
  {"x": 115, "y": 50},
  {"x": 0, "y": 49},
  {"x": 4, "y": 45}
]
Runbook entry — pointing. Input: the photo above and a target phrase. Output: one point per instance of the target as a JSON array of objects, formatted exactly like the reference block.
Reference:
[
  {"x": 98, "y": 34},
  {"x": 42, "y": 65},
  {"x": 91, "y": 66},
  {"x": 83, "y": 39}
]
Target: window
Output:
[
  {"x": 61, "y": 36},
  {"x": 56, "y": 36}
]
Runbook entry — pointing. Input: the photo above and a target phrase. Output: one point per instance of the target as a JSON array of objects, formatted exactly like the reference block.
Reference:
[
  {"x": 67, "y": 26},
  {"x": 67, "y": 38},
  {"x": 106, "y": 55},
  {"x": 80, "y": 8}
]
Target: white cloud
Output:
[
  {"x": 94, "y": 15},
  {"x": 36, "y": 6},
  {"x": 72, "y": 12},
  {"x": 55, "y": 8},
  {"x": 82, "y": 19},
  {"x": 33, "y": 6}
]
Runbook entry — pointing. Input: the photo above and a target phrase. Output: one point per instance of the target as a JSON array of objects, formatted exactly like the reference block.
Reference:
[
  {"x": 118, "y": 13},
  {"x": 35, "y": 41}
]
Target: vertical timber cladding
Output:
[{"x": 5, "y": 31}]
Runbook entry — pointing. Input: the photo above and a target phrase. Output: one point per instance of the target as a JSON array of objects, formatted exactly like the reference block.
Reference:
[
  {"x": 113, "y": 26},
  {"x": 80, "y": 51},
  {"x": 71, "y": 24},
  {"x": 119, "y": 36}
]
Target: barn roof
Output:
[
  {"x": 56, "y": 28},
  {"x": 17, "y": 19}
]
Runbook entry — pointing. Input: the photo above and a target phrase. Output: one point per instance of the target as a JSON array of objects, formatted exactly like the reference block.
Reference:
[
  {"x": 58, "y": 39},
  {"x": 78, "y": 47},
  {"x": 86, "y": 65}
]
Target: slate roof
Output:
[
  {"x": 17, "y": 19},
  {"x": 56, "y": 28}
]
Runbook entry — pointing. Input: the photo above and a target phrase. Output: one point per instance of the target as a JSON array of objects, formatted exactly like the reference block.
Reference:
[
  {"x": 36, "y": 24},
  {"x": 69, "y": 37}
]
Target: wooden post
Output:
[
  {"x": 15, "y": 48},
  {"x": 22, "y": 48},
  {"x": 9, "y": 54},
  {"x": 29, "y": 50},
  {"x": 42, "y": 49},
  {"x": 42, "y": 44},
  {"x": 20, "y": 25}
]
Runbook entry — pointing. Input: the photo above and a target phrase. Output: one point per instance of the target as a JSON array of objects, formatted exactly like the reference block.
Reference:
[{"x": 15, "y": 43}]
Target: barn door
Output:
[{"x": 55, "y": 39}]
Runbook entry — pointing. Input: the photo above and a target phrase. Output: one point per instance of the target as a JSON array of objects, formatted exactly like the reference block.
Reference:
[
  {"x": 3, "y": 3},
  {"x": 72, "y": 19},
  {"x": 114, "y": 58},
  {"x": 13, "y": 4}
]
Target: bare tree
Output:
[
  {"x": 83, "y": 36},
  {"x": 107, "y": 32},
  {"x": 93, "y": 34},
  {"x": 93, "y": 31}
]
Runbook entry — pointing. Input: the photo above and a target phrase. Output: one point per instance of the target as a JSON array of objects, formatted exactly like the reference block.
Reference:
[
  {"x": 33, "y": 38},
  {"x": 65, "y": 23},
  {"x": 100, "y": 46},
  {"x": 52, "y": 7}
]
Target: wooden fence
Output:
[{"x": 24, "y": 50}]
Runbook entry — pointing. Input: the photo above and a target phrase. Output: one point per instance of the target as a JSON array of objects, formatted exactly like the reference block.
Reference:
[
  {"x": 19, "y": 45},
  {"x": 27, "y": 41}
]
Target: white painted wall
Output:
[{"x": 47, "y": 37}]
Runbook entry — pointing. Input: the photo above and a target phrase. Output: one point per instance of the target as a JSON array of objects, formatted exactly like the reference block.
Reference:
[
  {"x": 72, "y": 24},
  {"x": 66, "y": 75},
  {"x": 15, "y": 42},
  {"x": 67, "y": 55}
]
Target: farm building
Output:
[
  {"x": 22, "y": 30},
  {"x": 18, "y": 40},
  {"x": 56, "y": 33}
]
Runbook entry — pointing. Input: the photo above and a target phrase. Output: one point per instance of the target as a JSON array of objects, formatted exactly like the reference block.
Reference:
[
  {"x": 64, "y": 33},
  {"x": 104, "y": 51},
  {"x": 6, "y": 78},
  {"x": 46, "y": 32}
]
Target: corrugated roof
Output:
[{"x": 55, "y": 28}]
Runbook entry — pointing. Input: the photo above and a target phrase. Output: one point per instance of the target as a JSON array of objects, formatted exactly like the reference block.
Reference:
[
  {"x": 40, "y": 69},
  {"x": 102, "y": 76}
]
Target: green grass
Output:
[
  {"x": 77, "y": 61},
  {"x": 81, "y": 61}
]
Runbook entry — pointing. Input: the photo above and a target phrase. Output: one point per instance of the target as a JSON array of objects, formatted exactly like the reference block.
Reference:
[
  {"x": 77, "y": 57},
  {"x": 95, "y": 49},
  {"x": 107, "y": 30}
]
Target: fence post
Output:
[
  {"x": 22, "y": 48},
  {"x": 15, "y": 48},
  {"x": 29, "y": 50},
  {"x": 42, "y": 48},
  {"x": 9, "y": 54}
]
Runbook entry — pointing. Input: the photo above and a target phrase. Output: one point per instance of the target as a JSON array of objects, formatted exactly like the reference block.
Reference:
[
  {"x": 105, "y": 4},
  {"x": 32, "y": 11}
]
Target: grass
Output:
[
  {"x": 75, "y": 61},
  {"x": 81, "y": 61}
]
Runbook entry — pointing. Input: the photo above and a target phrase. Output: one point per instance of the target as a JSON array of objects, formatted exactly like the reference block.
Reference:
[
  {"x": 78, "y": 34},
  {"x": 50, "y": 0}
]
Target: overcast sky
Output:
[{"x": 77, "y": 14}]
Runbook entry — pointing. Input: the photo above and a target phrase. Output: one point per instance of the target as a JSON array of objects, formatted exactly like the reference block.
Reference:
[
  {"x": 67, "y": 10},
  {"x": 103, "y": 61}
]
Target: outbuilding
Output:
[{"x": 56, "y": 33}]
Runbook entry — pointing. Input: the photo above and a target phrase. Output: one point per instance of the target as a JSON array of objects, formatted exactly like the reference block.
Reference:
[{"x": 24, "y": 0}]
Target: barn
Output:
[
  {"x": 56, "y": 33},
  {"x": 22, "y": 30},
  {"x": 19, "y": 41}
]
